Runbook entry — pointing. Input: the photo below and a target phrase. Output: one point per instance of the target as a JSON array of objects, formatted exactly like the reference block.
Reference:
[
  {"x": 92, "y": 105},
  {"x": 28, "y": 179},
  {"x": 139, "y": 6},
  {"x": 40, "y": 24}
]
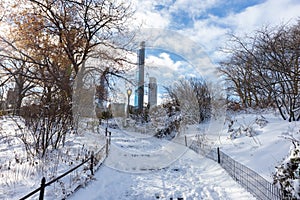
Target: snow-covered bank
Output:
[{"x": 266, "y": 148}]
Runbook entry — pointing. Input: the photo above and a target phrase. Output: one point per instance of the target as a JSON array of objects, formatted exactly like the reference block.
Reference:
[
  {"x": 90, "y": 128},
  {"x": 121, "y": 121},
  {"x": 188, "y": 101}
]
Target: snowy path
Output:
[
  {"x": 148, "y": 168},
  {"x": 141, "y": 154}
]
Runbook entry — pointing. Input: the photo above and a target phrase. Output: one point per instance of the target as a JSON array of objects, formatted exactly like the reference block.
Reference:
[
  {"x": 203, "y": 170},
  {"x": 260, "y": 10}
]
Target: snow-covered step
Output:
[
  {"x": 124, "y": 159},
  {"x": 191, "y": 176}
]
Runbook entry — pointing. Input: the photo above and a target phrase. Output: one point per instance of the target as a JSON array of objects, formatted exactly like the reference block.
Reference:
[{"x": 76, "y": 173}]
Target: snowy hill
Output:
[{"x": 267, "y": 145}]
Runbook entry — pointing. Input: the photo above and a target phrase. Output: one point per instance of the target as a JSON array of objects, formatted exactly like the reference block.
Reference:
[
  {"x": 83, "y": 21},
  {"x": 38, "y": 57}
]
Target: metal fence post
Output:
[
  {"x": 185, "y": 139},
  {"x": 92, "y": 163},
  {"x": 106, "y": 147},
  {"x": 109, "y": 137},
  {"x": 42, "y": 191},
  {"x": 219, "y": 159}
]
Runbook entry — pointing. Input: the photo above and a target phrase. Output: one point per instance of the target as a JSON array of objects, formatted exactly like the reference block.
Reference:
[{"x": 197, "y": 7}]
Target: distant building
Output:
[
  {"x": 152, "y": 92},
  {"x": 139, "y": 92},
  {"x": 118, "y": 109},
  {"x": 136, "y": 96},
  {"x": 2, "y": 105},
  {"x": 12, "y": 97},
  {"x": 84, "y": 102},
  {"x": 152, "y": 86},
  {"x": 101, "y": 95}
]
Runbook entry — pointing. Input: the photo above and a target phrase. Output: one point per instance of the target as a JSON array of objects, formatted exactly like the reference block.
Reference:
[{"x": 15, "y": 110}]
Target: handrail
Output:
[
  {"x": 93, "y": 160},
  {"x": 43, "y": 185}
]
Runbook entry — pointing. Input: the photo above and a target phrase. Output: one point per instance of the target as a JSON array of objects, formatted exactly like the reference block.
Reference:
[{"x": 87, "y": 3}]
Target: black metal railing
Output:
[
  {"x": 249, "y": 179},
  {"x": 94, "y": 161}
]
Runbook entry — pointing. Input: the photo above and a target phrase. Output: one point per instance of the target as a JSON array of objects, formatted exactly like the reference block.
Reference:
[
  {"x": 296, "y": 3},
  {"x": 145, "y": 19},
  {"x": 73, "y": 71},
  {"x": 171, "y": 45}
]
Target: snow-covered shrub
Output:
[
  {"x": 171, "y": 125},
  {"x": 170, "y": 130},
  {"x": 21, "y": 171},
  {"x": 241, "y": 129},
  {"x": 287, "y": 175},
  {"x": 170, "y": 121},
  {"x": 237, "y": 129},
  {"x": 46, "y": 127},
  {"x": 261, "y": 121}
]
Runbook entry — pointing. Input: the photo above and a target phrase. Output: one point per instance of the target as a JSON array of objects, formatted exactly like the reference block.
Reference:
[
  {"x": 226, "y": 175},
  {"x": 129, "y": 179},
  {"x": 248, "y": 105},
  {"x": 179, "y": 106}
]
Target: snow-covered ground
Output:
[
  {"x": 20, "y": 174},
  {"x": 150, "y": 168},
  {"x": 267, "y": 147},
  {"x": 190, "y": 177},
  {"x": 143, "y": 167},
  {"x": 258, "y": 140}
]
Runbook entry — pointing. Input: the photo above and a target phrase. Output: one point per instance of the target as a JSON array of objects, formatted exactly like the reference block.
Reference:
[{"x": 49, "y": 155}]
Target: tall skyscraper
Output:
[
  {"x": 152, "y": 92},
  {"x": 140, "y": 78}
]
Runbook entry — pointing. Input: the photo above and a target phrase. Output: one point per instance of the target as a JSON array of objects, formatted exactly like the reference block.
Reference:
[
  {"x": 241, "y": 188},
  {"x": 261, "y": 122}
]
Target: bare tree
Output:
[
  {"x": 280, "y": 49},
  {"x": 54, "y": 40},
  {"x": 265, "y": 69},
  {"x": 16, "y": 71},
  {"x": 241, "y": 70},
  {"x": 192, "y": 98}
]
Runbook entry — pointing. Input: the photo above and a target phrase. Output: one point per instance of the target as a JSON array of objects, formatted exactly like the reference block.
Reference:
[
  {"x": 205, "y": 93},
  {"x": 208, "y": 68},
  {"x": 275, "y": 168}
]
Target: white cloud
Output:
[
  {"x": 271, "y": 12},
  {"x": 148, "y": 16},
  {"x": 167, "y": 70},
  {"x": 193, "y": 7},
  {"x": 206, "y": 33},
  {"x": 212, "y": 32},
  {"x": 209, "y": 33},
  {"x": 152, "y": 19},
  {"x": 163, "y": 61}
]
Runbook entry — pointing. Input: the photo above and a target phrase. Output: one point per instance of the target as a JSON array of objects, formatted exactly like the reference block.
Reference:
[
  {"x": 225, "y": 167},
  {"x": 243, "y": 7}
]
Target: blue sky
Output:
[
  {"x": 207, "y": 23},
  {"x": 184, "y": 18}
]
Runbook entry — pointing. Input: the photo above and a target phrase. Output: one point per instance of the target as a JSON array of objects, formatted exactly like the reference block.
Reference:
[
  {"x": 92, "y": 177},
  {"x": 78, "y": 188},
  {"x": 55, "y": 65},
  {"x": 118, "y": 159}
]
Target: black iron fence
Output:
[
  {"x": 249, "y": 179},
  {"x": 93, "y": 162}
]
